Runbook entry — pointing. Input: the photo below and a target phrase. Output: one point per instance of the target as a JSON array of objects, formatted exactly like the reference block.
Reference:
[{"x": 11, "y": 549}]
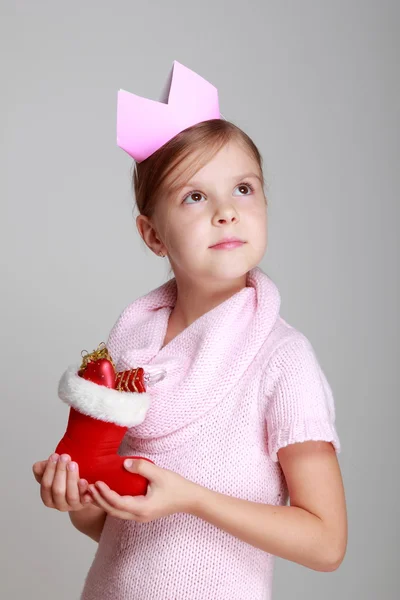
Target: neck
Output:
[{"x": 196, "y": 297}]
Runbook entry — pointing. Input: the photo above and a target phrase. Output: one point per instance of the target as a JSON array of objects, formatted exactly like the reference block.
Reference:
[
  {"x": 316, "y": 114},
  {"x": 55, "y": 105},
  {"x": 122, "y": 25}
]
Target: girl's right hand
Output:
[{"x": 60, "y": 486}]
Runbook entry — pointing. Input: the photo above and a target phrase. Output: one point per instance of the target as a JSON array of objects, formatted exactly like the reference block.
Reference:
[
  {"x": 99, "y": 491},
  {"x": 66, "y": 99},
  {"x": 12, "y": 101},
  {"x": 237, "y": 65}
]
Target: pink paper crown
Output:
[{"x": 144, "y": 125}]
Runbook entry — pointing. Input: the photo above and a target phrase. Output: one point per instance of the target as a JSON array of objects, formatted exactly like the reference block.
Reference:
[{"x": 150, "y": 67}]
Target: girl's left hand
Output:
[{"x": 167, "y": 493}]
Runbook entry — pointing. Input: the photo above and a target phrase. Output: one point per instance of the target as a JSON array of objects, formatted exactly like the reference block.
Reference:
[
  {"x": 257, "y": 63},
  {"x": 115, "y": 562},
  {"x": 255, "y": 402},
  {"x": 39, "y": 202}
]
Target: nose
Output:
[{"x": 225, "y": 214}]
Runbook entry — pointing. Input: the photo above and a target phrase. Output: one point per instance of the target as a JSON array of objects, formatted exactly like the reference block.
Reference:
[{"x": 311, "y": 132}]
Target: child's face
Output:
[{"x": 217, "y": 203}]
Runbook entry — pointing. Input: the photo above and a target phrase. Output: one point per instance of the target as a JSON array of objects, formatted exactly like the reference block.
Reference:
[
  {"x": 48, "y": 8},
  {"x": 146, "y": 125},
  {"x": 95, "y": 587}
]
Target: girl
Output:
[{"x": 244, "y": 419}]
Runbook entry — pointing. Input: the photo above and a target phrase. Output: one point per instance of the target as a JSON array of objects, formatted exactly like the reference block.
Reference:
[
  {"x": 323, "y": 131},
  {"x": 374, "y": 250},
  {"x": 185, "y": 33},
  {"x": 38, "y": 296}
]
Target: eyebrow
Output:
[{"x": 195, "y": 184}]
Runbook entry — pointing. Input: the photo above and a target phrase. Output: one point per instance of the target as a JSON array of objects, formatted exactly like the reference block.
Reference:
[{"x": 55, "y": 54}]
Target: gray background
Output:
[{"x": 316, "y": 84}]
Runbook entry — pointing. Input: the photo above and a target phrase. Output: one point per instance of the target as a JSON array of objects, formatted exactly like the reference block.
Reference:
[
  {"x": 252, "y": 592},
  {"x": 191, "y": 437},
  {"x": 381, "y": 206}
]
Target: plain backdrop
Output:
[{"x": 316, "y": 85}]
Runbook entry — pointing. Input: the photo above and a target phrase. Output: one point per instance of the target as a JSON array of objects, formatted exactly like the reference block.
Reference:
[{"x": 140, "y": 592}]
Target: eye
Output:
[
  {"x": 194, "y": 196},
  {"x": 243, "y": 186}
]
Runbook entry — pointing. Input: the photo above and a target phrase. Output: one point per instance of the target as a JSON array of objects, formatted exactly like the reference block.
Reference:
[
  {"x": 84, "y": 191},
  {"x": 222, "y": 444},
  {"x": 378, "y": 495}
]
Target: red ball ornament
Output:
[{"x": 100, "y": 371}]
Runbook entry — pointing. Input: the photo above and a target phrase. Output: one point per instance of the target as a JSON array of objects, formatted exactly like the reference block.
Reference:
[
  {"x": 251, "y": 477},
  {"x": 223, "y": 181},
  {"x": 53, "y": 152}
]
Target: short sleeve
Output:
[{"x": 300, "y": 404}]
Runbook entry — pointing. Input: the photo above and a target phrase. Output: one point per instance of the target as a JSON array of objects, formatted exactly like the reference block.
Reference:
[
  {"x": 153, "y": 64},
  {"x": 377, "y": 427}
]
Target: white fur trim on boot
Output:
[{"x": 122, "y": 408}]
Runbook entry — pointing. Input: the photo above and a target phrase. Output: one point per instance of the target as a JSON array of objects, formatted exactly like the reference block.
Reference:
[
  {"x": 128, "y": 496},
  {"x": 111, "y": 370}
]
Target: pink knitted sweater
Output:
[{"x": 240, "y": 384}]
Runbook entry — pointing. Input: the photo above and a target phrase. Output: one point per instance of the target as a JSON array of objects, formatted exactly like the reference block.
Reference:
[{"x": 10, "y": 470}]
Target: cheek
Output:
[
  {"x": 192, "y": 228},
  {"x": 258, "y": 216},
  {"x": 185, "y": 236},
  {"x": 259, "y": 226}
]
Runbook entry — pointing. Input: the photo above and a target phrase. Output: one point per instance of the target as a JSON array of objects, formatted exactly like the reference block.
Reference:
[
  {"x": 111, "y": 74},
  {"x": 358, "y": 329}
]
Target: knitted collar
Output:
[{"x": 205, "y": 361}]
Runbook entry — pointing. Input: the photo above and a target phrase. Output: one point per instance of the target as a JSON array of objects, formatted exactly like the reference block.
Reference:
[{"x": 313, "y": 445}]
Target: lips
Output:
[{"x": 228, "y": 240}]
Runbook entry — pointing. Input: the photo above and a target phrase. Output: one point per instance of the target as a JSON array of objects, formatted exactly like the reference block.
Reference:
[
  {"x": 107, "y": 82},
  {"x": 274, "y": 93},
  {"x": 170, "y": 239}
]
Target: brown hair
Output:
[{"x": 202, "y": 141}]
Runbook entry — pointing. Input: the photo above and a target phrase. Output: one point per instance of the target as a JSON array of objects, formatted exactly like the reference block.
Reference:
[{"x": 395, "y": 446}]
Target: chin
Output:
[{"x": 231, "y": 267}]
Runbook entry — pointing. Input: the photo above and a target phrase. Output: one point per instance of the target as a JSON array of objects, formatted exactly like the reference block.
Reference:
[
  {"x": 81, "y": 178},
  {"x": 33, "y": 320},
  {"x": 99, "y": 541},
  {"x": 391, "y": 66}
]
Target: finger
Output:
[
  {"x": 86, "y": 496},
  {"x": 59, "y": 488},
  {"x": 102, "y": 503},
  {"x": 87, "y": 499},
  {"x": 110, "y": 496},
  {"x": 47, "y": 481},
  {"x": 72, "y": 494},
  {"x": 83, "y": 488},
  {"x": 38, "y": 469},
  {"x": 129, "y": 504},
  {"x": 99, "y": 500},
  {"x": 143, "y": 467}
]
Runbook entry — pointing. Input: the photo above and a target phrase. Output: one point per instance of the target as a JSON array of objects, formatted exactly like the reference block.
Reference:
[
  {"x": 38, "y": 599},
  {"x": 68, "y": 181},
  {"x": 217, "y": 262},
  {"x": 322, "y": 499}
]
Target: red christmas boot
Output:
[{"x": 100, "y": 414}]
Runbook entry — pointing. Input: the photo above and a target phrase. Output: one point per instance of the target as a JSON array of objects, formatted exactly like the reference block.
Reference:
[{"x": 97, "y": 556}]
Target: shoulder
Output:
[
  {"x": 287, "y": 345},
  {"x": 293, "y": 369},
  {"x": 131, "y": 315}
]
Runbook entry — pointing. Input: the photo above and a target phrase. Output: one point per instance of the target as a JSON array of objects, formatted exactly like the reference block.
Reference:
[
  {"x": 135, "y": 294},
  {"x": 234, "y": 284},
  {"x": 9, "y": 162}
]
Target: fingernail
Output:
[
  {"x": 54, "y": 457},
  {"x": 64, "y": 458},
  {"x": 72, "y": 466},
  {"x": 128, "y": 463}
]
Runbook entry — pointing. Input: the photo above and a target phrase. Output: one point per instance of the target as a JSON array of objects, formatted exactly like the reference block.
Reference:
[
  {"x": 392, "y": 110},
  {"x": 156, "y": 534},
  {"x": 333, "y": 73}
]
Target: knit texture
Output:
[{"x": 241, "y": 383}]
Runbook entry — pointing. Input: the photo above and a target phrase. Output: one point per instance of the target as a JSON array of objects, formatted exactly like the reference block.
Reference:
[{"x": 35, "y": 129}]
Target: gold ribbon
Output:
[{"x": 100, "y": 352}]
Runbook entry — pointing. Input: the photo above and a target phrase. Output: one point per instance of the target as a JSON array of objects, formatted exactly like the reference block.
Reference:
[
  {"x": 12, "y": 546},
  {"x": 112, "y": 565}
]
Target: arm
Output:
[
  {"x": 89, "y": 521},
  {"x": 312, "y": 531}
]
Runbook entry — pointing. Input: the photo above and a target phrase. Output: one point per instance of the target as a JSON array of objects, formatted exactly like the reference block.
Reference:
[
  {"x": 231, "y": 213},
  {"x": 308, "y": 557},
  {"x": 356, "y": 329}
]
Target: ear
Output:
[{"x": 149, "y": 235}]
